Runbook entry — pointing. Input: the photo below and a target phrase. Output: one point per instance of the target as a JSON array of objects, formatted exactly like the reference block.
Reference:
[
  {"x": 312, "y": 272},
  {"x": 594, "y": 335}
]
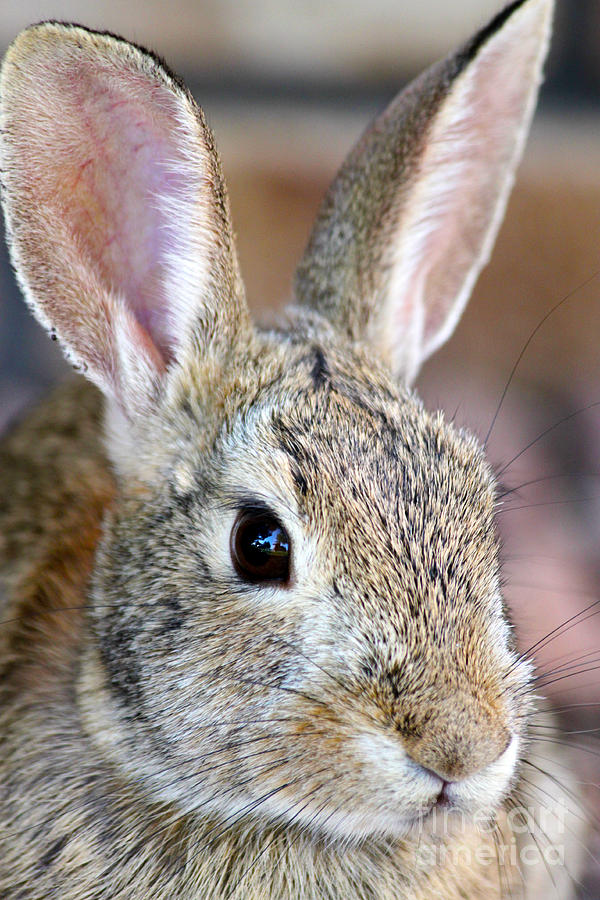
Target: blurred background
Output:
[{"x": 287, "y": 86}]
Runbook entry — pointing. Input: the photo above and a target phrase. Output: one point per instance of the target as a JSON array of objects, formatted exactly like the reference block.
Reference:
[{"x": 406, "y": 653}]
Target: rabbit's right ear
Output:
[
  {"x": 411, "y": 217},
  {"x": 116, "y": 209}
]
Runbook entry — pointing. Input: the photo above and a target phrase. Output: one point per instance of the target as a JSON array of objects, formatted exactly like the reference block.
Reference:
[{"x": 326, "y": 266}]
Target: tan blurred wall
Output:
[{"x": 300, "y": 36}]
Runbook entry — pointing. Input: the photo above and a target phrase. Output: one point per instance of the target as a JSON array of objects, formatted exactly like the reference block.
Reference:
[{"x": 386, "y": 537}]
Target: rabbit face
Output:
[{"x": 368, "y": 684}]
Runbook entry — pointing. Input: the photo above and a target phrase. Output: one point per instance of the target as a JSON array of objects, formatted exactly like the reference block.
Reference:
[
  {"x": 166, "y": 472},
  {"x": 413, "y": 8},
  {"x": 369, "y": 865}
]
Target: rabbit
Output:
[{"x": 254, "y": 642}]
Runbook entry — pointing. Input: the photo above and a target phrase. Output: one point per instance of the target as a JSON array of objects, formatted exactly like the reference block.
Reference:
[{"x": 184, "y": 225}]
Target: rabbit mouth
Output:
[{"x": 416, "y": 799}]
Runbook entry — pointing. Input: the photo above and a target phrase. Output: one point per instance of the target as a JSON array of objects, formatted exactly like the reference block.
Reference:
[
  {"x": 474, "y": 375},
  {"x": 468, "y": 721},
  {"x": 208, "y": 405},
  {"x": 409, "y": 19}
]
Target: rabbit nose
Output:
[{"x": 454, "y": 746}]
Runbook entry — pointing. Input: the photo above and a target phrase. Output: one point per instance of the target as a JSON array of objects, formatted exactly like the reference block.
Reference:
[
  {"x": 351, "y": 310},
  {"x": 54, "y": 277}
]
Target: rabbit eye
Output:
[{"x": 260, "y": 547}]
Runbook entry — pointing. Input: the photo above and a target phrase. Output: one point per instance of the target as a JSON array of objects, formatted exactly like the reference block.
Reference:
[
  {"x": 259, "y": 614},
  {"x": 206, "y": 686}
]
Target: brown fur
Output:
[
  {"x": 169, "y": 727},
  {"x": 54, "y": 488}
]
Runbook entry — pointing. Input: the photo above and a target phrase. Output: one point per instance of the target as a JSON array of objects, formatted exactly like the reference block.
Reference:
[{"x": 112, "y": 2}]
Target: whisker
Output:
[
  {"x": 252, "y": 807},
  {"x": 569, "y": 706},
  {"x": 280, "y": 687},
  {"x": 556, "y": 762},
  {"x": 188, "y": 776},
  {"x": 543, "y": 434},
  {"x": 276, "y": 638},
  {"x": 504, "y": 509},
  {"x": 238, "y": 815},
  {"x": 550, "y": 844},
  {"x": 571, "y": 744},
  {"x": 551, "y": 589},
  {"x": 568, "y": 691},
  {"x": 578, "y": 671},
  {"x": 517, "y": 808},
  {"x": 570, "y": 830},
  {"x": 559, "y": 784},
  {"x": 563, "y": 732},
  {"x": 514, "y": 490},
  {"x": 571, "y": 622},
  {"x": 498, "y": 839},
  {"x": 525, "y": 347},
  {"x": 567, "y": 658},
  {"x": 307, "y": 797},
  {"x": 573, "y": 665}
]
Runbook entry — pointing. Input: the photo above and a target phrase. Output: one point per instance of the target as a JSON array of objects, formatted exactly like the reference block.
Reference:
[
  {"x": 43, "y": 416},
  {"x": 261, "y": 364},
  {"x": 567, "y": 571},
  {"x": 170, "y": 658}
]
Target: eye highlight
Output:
[{"x": 260, "y": 547}]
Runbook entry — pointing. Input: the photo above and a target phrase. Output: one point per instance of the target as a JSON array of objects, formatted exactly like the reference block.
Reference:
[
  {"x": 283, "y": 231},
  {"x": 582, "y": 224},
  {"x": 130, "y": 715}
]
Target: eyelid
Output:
[{"x": 240, "y": 502}]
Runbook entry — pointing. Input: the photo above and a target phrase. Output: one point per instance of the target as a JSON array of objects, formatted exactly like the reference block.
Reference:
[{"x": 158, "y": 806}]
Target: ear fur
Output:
[
  {"x": 116, "y": 209},
  {"x": 411, "y": 217}
]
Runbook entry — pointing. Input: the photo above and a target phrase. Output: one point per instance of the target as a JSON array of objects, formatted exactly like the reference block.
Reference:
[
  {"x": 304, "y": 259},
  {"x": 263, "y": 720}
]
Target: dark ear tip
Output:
[{"x": 473, "y": 47}]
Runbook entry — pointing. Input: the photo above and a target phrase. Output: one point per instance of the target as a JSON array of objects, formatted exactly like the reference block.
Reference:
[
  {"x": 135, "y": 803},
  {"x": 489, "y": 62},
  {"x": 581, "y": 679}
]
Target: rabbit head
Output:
[{"x": 295, "y": 611}]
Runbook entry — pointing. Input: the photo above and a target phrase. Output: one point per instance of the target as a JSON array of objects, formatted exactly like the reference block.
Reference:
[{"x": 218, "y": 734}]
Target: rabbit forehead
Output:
[{"x": 383, "y": 488}]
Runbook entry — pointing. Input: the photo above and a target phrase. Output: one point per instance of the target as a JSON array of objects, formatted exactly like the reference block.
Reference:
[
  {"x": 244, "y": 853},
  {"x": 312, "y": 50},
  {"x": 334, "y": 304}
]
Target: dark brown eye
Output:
[{"x": 260, "y": 547}]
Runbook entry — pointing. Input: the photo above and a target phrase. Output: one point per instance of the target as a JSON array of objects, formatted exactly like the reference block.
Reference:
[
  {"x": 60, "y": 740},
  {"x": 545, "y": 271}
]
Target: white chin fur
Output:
[
  {"x": 482, "y": 793},
  {"x": 404, "y": 793}
]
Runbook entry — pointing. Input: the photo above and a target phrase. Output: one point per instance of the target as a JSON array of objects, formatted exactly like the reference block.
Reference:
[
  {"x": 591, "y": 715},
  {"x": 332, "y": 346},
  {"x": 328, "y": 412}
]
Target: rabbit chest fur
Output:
[{"x": 254, "y": 642}]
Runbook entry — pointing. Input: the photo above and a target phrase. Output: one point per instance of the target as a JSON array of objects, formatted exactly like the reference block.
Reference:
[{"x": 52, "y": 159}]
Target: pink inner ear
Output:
[
  {"x": 450, "y": 218},
  {"x": 118, "y": 163}
]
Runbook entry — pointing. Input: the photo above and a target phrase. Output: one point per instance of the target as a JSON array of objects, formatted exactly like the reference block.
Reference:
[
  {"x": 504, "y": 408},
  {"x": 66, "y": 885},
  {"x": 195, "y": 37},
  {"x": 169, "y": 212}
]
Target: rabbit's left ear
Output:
[
  {"x": 411, "y": 217},
  {"x": 116, "y": 210}
]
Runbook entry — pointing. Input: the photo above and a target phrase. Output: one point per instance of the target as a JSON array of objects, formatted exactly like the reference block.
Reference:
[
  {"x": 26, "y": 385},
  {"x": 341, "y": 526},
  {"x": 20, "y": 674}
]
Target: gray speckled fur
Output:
[{"x": 170, "y": 731}]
